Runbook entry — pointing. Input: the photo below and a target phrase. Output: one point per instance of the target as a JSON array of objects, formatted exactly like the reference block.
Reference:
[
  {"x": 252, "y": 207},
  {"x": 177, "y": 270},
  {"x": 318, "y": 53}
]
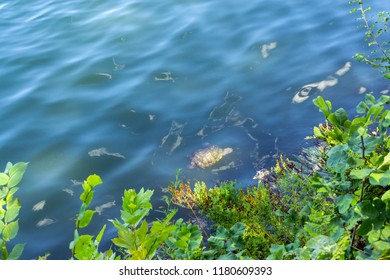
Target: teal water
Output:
[{"x": 130, "y": 89}]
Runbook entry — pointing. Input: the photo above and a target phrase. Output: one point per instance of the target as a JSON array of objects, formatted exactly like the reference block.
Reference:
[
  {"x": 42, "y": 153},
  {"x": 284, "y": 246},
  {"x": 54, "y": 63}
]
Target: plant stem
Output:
[
  {"x": 361, "y": 195},
  {"x": 370, "y": 33}
]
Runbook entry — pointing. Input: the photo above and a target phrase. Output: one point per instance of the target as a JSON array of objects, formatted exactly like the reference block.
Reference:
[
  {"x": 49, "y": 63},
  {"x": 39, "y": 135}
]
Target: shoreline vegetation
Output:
[{"x": 332, "y": 201}]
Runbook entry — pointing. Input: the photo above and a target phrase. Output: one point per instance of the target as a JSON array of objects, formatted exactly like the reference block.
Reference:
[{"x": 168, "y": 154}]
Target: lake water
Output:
[{"x": 130, "y": 89}]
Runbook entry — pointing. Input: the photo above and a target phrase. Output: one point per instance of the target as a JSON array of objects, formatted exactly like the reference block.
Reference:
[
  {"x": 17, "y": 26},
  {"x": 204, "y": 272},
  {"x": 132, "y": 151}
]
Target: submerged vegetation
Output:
[{"x": 332, "y": 201}]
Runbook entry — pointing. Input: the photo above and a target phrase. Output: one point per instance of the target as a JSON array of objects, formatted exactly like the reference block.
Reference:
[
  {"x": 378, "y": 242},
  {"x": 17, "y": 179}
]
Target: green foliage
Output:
[
  {"x": 356, "y": 180},
  {"x": 85, "y": 247},
  {"x": 376, "y": 36},
  {"x": 185, "y": 243},
  {"x": 9, "y": 209},
  {"x": 227, "y": 244}
]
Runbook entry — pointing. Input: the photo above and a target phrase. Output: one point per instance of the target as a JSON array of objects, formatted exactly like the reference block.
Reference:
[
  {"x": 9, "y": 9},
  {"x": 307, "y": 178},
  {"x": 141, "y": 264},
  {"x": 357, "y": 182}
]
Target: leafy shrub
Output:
[
  {"x": 9, "y": 209},
  {"x": 356, "y": 224},
  {"x": 376, "y": 32}
]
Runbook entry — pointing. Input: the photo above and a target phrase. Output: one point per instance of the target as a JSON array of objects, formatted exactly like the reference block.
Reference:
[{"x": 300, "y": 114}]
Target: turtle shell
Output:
[{"x": 208, "y": 156}]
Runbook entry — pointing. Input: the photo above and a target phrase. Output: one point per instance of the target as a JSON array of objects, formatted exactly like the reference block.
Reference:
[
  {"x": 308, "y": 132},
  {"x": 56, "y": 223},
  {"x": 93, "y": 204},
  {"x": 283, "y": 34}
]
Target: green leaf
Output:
[
  {"x": 15, "y": 179},
  {"x": 341, "y": 116},
  {"x": 337, "y": 158},
  {"x": 94, "y": 180},
  {"x": 367, "y": 209},
  {"x": 13, "y": 207},
  {"x": 277, "y": 252},
  {"x": 386, "y": 196},
  {"x": 87, "y": 196},
  {"x": 100, "y": 235},
  {"x": 362, "y": 108},
  {"x": 86, "y": 218},
  {"x": 10, "y": 230},
  {"x": 16, "y": 173},
  {"x": 4, "y": 178},
  {"x": 386, "y": 162},
  {"x": 238, "y": 229},
  {"x": 317, "y": 132},
  {"x": 370, "y": 99},
  {"x": 360, "y": 173},
  {"x": 365, "y": 227},
  {"x": 381, "y": 179},
  {"x": 3, "y": 192},
  {"x": 18, "y": 168},
  {"x": 16, "y": 252},
  {"x": 324, "y": 106},
  {"x": 343, "y": 202},
  {"x": 321, "y": 245},
  {"x": 387, "y": 76},
  {"x": 381, "y": 245},
  {"x": 84, "y": 248}
]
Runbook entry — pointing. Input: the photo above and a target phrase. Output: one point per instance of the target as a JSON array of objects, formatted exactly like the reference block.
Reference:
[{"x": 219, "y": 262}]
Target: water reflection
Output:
[{"x": 310, "y": 89}]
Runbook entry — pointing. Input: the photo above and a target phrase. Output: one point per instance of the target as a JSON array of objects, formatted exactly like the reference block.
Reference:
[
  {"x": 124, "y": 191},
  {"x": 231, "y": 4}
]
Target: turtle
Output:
[{"x": 208, "y": 156}]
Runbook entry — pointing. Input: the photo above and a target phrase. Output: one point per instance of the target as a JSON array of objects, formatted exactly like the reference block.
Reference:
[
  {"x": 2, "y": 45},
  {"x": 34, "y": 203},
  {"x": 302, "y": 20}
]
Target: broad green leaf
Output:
[
  {"x": 360, "y": 173},
  {"x": 15, "y": 179},
  {"x": 3, "y": 192},
  {"x": 381, "y": 245},
  {"x": 16, "y": 252},
  {"x": 87, "y": 187},
  {"x": 384, "y": 99},
  {"x": 381, "y": 179},
  {"x": 362, "y": 108},
  {"x": 1, "y": 226},
  {"x": 324, "y": 106},
  {"x": 4, "y": 178},
  {"x": 94, "y": 180},
  {"x": 10, "y": 230},
  {"x": 317, "y": 132},
  {"x": 18, "y": 168},
  {"x": 322, "y": 245},
  {"x": 387, "y": 76},
  {"x": 343, "y": 202},
  {"x": 367, "y": 209},
  {"x": 86, "y": 197},
  {"x": 84, "y": 248},
  {"x": 386, "y": 162},
  {"x": 365, "y": 227},
  {"x": 386, "y": 120},
  {"x": 370, "y": 99},
  {"x": 386, "y": 196},
  {"x": 277, "y": 252},
  {"x": 337, "y": 158},
  {"x": 86, "y": 218},
  {"x": 238, "y": 229},
  {"x": 341, "y": 116},
  {"x": 13, "y": 207}
]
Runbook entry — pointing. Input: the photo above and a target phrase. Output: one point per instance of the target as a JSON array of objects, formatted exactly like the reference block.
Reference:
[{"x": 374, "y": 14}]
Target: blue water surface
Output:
[{"x": 130, "y": 89}]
